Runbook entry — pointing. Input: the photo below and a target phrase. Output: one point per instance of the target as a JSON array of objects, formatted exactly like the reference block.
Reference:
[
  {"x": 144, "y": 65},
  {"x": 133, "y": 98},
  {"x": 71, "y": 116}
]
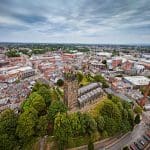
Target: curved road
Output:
[{"x": 129, "y": 138}]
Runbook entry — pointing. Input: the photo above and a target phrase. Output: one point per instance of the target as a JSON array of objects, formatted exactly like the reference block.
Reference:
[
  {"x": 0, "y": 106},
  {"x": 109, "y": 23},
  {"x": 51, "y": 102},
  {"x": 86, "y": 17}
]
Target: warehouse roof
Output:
[{"x": 138, "y": 80}]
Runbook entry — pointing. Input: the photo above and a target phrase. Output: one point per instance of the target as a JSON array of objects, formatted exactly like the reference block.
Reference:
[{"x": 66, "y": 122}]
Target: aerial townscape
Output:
[
  {"x": 66, "y": 95},
  {"x": 75, "y": 77}
]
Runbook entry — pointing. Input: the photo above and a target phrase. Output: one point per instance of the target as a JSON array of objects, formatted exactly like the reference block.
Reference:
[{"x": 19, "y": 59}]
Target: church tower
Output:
[{"x": 70, "y": 90}]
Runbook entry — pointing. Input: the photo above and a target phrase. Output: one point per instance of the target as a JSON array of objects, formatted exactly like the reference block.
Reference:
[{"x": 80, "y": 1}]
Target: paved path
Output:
[
  {"x": 129, "y": 138},
  {"x": 42, "y": 140}
]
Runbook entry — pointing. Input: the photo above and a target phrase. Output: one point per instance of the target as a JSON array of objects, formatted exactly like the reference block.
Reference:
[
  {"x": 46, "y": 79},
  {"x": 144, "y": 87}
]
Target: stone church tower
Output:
[{"x": 70, "y": 90}]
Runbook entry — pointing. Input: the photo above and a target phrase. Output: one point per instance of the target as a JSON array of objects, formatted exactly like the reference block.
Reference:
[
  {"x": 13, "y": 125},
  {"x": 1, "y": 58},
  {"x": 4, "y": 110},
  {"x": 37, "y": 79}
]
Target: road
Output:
[
  {"x": 123, "y": 97},
  {"x": 129, "y": 138}
]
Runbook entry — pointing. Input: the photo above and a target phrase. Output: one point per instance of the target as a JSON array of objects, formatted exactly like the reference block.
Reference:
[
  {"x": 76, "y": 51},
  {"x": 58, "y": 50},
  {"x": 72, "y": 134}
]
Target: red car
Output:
[{"x": 133, "y": 147}]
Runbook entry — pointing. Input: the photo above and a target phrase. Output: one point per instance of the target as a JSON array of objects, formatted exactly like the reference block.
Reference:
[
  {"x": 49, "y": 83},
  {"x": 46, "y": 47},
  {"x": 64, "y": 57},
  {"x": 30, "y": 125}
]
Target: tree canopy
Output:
[
  {"x": 56, "y": 107},
  {"x": 60, "y": 82},
  {"x": 26, "y": 124},
  {"x": 8, "y": 124}
]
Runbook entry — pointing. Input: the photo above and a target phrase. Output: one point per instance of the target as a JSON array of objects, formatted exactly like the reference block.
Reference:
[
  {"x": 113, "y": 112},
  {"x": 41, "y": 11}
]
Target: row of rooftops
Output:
[
  {"x": 15, "y": 69},
  {"x": 87, "y": 88},
  {"x": 89, "y": 93}
]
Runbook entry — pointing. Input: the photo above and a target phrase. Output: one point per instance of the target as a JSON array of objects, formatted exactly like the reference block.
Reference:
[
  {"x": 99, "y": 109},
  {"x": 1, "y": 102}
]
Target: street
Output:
[{"x": 129, "y": 138}]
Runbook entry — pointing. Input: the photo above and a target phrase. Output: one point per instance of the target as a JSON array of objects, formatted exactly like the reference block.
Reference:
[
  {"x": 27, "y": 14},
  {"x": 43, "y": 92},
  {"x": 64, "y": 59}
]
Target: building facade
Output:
[{"x": 70, "y": 90}]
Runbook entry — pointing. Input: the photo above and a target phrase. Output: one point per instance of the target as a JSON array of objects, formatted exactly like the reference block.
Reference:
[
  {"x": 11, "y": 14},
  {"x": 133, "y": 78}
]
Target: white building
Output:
[{"x": 137, "y": 80}]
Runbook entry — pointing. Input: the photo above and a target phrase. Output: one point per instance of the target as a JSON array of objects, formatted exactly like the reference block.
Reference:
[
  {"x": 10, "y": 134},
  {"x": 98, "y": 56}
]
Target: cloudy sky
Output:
[{"x": 75, "y": 21}]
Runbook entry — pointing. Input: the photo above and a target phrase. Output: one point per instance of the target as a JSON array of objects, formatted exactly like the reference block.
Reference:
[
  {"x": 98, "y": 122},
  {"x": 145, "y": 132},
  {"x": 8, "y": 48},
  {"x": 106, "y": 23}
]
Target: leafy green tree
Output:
[
  {"x": 137, "y": 119},
  {"x": 60, "y": 82},
  {"x": 42, "y": 125},
  {"x": 138, "y": 109},
  {"x": 26, "y": 124},
  {"x": 104, "y": 62},
  {"x": 104, "y": 134},
  {"x": 131, "y": 118},
  {"x": 56, "y": 107},
  {"x": 7, "y": 142},
  {"x": 90, "y": 145},
  {"x": 100, "y": 123},
  {"x": 37, "y": 102},
  {"x": 38, "y": 85},
  {"x": 124, "y": 114},
  {"x": 109, "y": 96},
  {"x": 111, "y": 110},
  {"x": 45, "y": 93},
  {"x": 115, "y": 99},
  {"x": 12, "y": 53},
  {"x": 82, "y": 130},
  {"x": 90, "y": 124},
  {"x": 125, "y": 126},
  {"x": 115, "y": 53},
  {"x": 8, "y": 124},
  {"x": 80, "y": 76},
  {"x": 126, "y": 105},
  {"x": 119, "y": 105},
  {"x": 110, "y": 126},
  {"x": 62, "y": 129},
  {"x": 126, "y": 148},
  {"x": 100, "y": 78},
  {"x": 75, "y": 124}
]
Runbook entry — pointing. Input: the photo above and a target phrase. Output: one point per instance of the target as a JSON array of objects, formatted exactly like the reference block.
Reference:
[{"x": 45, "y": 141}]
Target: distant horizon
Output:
[{"x": 126, "y": 44}]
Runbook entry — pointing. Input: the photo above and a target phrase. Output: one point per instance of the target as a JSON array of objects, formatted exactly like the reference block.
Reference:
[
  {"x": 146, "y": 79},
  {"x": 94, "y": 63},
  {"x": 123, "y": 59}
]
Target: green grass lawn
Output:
[{"x": 84, "y": 81}]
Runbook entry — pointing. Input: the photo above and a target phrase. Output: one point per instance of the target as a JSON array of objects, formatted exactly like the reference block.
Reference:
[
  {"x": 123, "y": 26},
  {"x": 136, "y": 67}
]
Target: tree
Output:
[
  {"x": 138, "y": 109},
  {"x": 42, "y": 125},
  {"x": 80, "y": 76},
  {"x": 111, "y": 110},
  {"x": 56, "y": 107},
  {"x": 137, "y": 119},
  {"x": 26, "y": 124},
  {"x": 60, "y": 82},
  {"x": 38, "y": 85},
  {"x": 90, "y": 145},
  {"x": 90, "y": 124},
  {"x": 37, "y": 102},
  {"x": 126, "y": 148},
  {"x": 104, "y": 62},
  {"x": 125, "y": 126},
  {"x": 75, "y": 124},
  {"x": 111, "y": 126},
  {"x": 45, "y": 93},
  {"x": 62, "y": 129},
  {"x": 100, "y": 123},
  {"x": 115, "y": 99},
  {"x": 100, "y": 78},
  {"x": 126, "y": 105},
  {"x": 82, "y": 123},
  {"x": 8, "y": 124},
  {"x": 124, "y": 114},
  {"x": 131, "y": 118},
  {"x": 12, "y": 53},
  {"x": 104, "y": 134},
  {"x": 7, "y": 142}
]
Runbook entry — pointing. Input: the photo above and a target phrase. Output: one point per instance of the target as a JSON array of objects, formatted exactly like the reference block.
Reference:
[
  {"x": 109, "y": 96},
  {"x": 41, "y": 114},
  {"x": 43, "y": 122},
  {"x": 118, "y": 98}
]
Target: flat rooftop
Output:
[{"x": 138, "y": 80}]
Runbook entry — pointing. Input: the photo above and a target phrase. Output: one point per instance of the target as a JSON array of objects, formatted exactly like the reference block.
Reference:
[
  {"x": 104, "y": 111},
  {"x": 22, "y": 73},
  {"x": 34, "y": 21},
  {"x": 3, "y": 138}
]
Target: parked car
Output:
[
  {"x": 143, "y": 141},
  {"x": 138, "y": 146},
  {"x": 146, "y": 137},
  {"x": 133, "y": 147},
  {"x": 147, "y": 133},
  {"x": 141, "y": 144}
]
